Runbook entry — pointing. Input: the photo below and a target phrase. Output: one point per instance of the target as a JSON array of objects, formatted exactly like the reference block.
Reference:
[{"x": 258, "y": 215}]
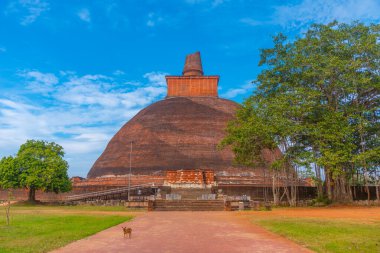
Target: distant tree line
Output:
[{"x": 317, "y": 99}]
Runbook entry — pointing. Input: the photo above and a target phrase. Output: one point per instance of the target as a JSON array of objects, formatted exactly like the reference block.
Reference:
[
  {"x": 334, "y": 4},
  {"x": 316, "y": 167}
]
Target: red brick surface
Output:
[
  {"x": 193, "y": 65},
  {"x": 172, "y": 134},
  {"x": 192, "y": 86},
  {"x": 189, "y": 176}
]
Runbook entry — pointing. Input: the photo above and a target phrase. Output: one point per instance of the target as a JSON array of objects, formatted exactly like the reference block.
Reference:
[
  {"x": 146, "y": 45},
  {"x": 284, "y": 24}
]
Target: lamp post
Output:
[{"x": 130, "y": 170}]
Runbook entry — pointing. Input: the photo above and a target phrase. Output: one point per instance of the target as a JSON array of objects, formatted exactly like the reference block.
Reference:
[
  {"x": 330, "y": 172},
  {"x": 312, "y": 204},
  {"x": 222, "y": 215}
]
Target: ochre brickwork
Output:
[
  {"x": 195, "y": 176},
  {"x": 172, "y": 134},
  {"x": 193, "y": 65},
  {"x": 120, "y": 181},
  {"x": 209, "y": 176},
  {"x": 192, "y": 86}
]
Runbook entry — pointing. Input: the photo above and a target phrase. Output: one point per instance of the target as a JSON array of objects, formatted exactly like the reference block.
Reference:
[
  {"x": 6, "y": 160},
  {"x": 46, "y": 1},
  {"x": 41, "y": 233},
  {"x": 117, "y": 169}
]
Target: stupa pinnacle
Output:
[
  {"x": 192, "y": 83},
  {"x": 193, "y": 65}
]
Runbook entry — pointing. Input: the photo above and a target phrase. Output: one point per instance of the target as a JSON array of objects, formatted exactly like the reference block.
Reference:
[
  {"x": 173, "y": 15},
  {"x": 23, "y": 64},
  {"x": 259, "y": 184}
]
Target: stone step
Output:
[
  {"x": 163, "y": 205},
  {"x": 189, "y": 209},
  {"x": 195, "y": 207},
  {"x": 190, "y": 194},
  {"x": 188, "y": 205},
  {"x": 190, "y": 201}
]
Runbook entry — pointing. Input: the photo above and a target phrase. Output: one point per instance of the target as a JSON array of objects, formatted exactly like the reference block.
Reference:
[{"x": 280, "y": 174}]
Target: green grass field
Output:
[
  {"x": 31, "y": 207},
  {"x": 327, "y": 235},
  {"x": 43, "y": 228}
]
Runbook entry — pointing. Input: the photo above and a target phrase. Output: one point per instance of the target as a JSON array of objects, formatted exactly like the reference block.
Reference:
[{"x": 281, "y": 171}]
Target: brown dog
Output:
[{"x": 127, "y": 231}]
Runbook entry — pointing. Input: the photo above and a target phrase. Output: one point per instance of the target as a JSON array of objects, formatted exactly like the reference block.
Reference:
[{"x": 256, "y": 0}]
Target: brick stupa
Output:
[{"x": 179, "y": 133}]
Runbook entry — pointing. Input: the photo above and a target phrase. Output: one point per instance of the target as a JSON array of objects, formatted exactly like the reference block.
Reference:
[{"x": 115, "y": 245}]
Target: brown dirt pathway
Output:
[
  {"x": 6, "y": 203},
  {"x": 182, "y": 232}
]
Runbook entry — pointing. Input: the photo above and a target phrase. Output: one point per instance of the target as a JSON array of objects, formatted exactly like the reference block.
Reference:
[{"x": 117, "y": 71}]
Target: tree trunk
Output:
[
  {"x": 294, "y": 190},
  {"x": 32, "y": 194},
  {"x": 377, "y": 186},
  {"x": 328, "y": 186},
  {"x": 8, "y": 206},
  {"x": 364, "y": 164},
  {"x": 265, "y": 188},
  {"x": 368, "y": 192},
  {"x": 275, "y": 190},
  {"x": 354, "y": 184},
  {"x": 319, "y": 180},
  {"x": 367, "y": 184},
  {"x": 288, "y": 184},
  {"x": 341, "y": 188},
  {"x": 349, "y": 191}
]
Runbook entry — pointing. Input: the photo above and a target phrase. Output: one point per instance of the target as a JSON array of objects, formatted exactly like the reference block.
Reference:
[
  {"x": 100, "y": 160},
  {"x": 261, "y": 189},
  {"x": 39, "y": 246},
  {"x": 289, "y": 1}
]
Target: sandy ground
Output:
[
  {"x": 6, "y": 203},
  {"x": 182, "y": 232}
]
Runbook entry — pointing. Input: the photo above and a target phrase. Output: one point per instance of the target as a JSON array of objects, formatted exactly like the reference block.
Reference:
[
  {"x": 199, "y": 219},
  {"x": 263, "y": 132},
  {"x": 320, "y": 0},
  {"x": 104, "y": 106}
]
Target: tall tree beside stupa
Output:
[{"x": 318, "y": 99}]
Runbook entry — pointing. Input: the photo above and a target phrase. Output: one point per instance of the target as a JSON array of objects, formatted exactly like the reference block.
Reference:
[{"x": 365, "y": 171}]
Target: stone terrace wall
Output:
[
  {"x": 85, "y": 186},
  {"x": 120, "y": 181},
  {"x": 22, "y": 194}
]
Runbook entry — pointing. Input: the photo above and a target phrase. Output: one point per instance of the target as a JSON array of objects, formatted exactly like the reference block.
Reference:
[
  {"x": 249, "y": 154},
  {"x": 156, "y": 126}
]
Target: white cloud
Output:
[
  {"x": 84, "y": 15},
  {"x": 118, "y": 72},
  {"x": 157, "y": 78},
  {"x": 82, "y": 113},
  {"x": 29, "y": 9},
  {"x": 245, "y": 89},
  {"x": 17, "y": 121},
  {"x": 325, "y": 11},
  {"x": 66, "y": 72},
  {"x": 40, "y": 82}
]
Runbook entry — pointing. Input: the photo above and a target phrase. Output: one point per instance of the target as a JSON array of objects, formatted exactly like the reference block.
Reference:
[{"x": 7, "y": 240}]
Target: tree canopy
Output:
[
  {"x": 9, "y": 174},
  {"x": 318, "y": 100},
  {"x": 38, "y": 165}
]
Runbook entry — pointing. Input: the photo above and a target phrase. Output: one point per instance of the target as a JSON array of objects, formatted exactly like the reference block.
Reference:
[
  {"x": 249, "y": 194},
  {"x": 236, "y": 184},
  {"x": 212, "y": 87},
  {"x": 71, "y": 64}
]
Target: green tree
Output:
[
  {"x": 42, "y": 167},
  {"x": 9, "y": 179},
  {"x": 319, "y": 98},
  {"x": 9, "y": 174}
]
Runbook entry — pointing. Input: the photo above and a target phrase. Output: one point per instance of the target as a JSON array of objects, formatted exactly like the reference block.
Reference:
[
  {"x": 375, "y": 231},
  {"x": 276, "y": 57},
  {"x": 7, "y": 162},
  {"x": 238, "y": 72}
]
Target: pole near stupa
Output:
[{"x": 130, "y": 171}]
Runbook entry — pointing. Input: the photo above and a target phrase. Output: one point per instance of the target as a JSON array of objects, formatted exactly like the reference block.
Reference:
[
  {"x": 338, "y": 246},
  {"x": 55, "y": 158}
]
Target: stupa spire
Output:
[
  {"x": 192, "y": 83},
  {"x": 193, "y": 65}
]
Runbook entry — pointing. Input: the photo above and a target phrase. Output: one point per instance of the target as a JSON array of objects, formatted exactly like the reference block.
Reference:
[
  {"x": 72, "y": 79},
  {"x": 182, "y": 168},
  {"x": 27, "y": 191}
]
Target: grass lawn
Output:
[
  {"x": 326, "y": 235},
  {"x": 31, "y": 207},
  {"x": 43, "y": 228}
]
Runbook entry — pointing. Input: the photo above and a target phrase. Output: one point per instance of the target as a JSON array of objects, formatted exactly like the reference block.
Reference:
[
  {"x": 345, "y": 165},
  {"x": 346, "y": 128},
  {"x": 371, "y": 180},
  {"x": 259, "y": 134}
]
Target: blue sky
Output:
[{"x": 74, "y": 72}]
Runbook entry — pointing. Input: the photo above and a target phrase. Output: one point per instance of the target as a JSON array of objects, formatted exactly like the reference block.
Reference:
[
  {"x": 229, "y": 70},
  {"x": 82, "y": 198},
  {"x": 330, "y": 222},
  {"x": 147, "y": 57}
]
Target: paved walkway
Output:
[
  {"x": 182, "y": 232},
  {"x": 6, "y": 203}
]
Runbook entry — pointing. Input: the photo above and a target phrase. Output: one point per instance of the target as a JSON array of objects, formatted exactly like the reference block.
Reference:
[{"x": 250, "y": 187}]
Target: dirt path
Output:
[
  {"x": 6, "y": 203},
  {"x": 193, "y": 232}
]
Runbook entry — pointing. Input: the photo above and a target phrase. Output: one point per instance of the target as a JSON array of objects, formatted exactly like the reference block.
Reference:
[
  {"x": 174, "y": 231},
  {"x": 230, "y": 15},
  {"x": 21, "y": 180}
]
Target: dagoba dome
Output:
[
  {"x": 175, "y": 133},
  {"x": 178, "y": 133}
]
